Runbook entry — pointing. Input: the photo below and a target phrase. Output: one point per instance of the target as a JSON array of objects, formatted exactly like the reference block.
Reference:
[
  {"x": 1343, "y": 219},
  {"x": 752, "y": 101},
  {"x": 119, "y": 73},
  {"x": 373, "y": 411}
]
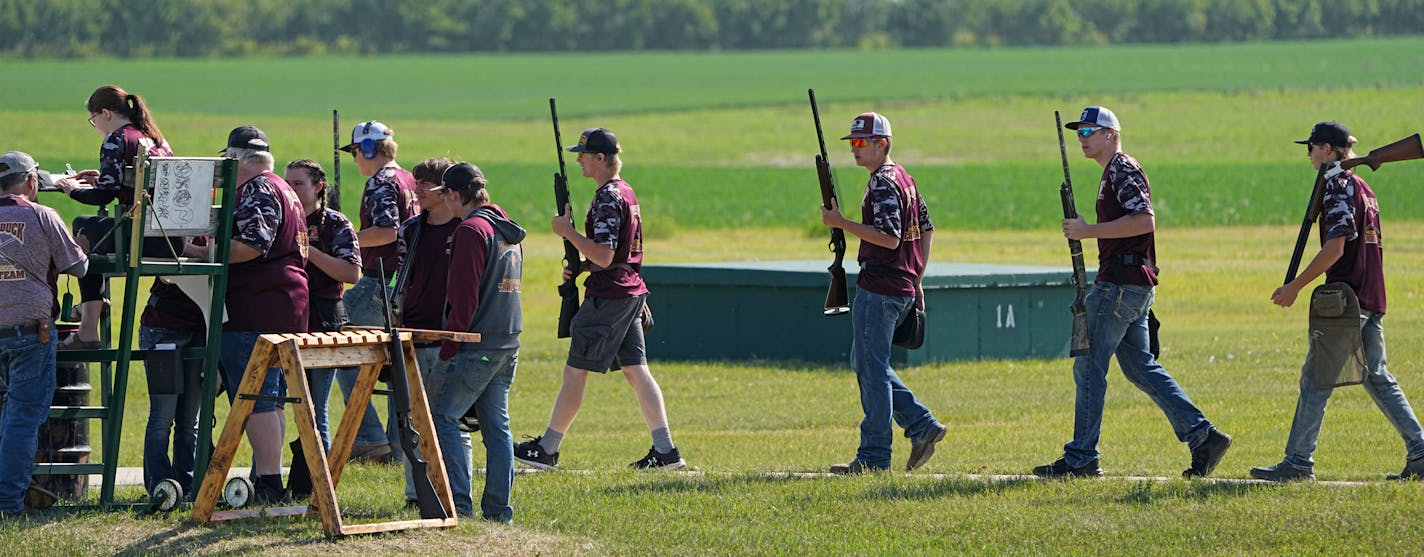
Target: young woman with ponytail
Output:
[
  {"x": 126, "y": 124},
  {"x": 333, "y": 260}
]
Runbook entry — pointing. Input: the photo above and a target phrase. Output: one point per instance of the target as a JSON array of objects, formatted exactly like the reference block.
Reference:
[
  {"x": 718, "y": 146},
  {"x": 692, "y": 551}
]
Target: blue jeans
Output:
[
  {"x": 27, "y": 371},
  {"x": 232, "y": 359},
  {"x": 480, "y": 378},
  {"x": 319, "y": 383},
  {"x": 883, "y": 396},
  {"x": 1310, "y": 407},
  {"x": 1117, "y": 324},
  {"x": 363, "y": 307},
  {"x": 426, "y": 358},
  {"x": 178, "y": 413}
]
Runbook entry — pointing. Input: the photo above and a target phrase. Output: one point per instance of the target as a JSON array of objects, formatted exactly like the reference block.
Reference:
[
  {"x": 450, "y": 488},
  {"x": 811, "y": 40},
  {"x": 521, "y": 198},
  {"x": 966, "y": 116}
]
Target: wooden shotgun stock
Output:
[{"x": 1407, "y": 149}]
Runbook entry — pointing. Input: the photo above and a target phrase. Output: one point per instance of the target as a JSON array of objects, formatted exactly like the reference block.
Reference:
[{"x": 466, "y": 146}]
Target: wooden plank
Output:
[
  {"x": 221, "y": 460},
  {"x": 423, "y": 335},
  {"x": 378, "y": 527},
  {"x": 239, "y": 514},
  {"x": 425, "y": 427},
  {"x": 344, "y": 356},
  {"x": 323, "y": 491}
]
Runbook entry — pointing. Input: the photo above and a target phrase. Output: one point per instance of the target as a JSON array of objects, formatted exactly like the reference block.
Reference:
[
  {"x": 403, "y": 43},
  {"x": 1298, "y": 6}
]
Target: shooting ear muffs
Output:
[{"x": 368, "y": 146}]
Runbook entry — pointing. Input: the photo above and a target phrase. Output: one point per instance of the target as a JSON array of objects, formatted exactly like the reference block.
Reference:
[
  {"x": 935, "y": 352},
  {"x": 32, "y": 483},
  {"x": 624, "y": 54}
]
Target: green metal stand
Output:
[{"x": 114, "y": 363}]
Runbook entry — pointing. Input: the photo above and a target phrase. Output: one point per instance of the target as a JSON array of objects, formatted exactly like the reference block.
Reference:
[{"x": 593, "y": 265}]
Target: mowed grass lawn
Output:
[
  {"x": 1235, "y": 354},
  {"x": 720, "y": 149}
]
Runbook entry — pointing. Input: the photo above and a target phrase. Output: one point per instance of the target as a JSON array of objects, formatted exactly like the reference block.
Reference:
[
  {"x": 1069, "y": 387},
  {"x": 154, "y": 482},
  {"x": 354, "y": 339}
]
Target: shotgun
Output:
[
  {"x": 333, "y": 197},
  {"x": 837, "y": 302},
  {"x": 568, "y": 290},
  {"x": 425, "y": 496},
  {"x": 1079, "y": 346},
  {"x": 1405, "y": 149}
]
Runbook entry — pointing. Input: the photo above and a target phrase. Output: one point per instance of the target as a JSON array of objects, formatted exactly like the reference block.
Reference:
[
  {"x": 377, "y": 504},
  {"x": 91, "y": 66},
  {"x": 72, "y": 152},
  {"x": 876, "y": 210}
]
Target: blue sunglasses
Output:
[{"x": 1088, "y": 132}]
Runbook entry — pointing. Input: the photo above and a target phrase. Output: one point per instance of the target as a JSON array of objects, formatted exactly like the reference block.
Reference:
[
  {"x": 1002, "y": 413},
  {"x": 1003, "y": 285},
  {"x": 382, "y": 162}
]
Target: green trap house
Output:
[{"x": 773, "y": 310}]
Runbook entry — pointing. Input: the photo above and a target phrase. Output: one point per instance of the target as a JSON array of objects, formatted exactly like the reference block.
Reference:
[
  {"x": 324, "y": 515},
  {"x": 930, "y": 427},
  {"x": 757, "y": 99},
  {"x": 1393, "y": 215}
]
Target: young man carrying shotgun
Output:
[
  {"x": 1117, "y": 309},
  {"x": 894, "y": 249},
  {"x": 607, "y": 331},
  {"x": 1351, "y": 252}
]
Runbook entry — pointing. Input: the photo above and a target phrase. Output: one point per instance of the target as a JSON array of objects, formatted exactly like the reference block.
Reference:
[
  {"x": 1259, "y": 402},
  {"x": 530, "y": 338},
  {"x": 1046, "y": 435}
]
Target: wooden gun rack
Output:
[{"x": 294, "y": 353}]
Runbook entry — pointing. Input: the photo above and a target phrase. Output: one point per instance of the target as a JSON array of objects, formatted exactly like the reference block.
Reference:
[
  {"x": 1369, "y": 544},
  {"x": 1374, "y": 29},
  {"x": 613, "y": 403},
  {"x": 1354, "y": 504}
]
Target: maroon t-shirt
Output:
[
  {"x": 423, "y": 306},
  {"x": 269, "y": 294},
  {"x": 1349, "y": 210},
  {"x": 388, "y": 200},
  {"x": 169, "y": 308},
  {"x": 1123, "y": 190},
  {"x": 333, "y": 236},
  {"x": 893, "y": 205},
  {"x": 614, "y": 220}
]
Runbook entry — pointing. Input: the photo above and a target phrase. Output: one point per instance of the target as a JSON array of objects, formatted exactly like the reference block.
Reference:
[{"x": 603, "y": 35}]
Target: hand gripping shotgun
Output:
[
  {"x": 425, "y": 496},
  {"x": 568, "y": 290},
  {"x": 1079, "y": 346},
  {"x": 836, "y": 296},
  {"x": 1405, "y": 149}
]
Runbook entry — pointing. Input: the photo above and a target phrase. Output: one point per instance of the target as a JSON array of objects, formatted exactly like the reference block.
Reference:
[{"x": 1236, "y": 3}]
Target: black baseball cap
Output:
[
  {"x": 462, "y": 177},
  {"x": 1330, "y": 133},
  {"x": 247, "y": 137},
  {"x": 596, "y": 140}
]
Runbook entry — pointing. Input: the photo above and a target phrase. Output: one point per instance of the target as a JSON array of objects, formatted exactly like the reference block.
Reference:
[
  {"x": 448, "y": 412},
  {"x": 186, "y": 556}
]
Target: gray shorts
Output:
[{"x": 608, "y": 333}]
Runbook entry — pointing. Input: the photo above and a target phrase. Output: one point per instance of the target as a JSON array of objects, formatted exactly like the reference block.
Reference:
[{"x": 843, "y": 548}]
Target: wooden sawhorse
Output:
[{"x": 294, "y": 353}]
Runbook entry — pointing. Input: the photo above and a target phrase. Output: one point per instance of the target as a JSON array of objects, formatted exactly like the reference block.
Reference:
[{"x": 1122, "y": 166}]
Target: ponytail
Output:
[{"x": 116, "y": 100}]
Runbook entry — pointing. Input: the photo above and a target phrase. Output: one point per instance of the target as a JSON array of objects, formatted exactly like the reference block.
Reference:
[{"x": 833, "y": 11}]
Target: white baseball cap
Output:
[{"x": 370, "y": 129}]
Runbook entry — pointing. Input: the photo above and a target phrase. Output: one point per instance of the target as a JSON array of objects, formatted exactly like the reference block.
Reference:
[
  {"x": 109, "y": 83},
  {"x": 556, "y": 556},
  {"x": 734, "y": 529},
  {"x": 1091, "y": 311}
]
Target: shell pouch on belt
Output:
[
  {"x": 1337, "y": 355},
  {"x": 164, "y": 367}
]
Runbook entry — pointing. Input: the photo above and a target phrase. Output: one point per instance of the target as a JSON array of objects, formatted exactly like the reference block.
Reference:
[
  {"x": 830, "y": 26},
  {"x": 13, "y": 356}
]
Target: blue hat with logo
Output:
[{"x": 1095, "y": 116}]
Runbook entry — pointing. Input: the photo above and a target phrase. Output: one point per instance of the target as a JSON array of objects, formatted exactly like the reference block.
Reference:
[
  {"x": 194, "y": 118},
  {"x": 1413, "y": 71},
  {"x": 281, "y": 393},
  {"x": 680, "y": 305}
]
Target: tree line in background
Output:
[{"x": 123, "y": 28}]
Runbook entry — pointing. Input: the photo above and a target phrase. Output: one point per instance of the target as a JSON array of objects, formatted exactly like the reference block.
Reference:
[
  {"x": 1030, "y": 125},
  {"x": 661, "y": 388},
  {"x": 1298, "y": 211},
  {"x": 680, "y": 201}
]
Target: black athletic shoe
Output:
[
  {"x": 855, "y": 468},
  {"x": 1282, "y": 472},
  {"x": 269, "y": 491},
  {"x": 1413, "y": 470},
  {"x": 1061, "y": 469},
  {"x": 655, "y": 460},
  {"x": 1206, "y": 456},
  {"x": 529, "y": 453}
]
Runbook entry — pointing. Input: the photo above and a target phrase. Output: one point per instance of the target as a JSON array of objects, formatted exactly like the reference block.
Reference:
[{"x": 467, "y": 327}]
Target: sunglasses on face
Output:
[
  {"x": 859, "y": 142},
  {"x": 1088, "y": 132}
]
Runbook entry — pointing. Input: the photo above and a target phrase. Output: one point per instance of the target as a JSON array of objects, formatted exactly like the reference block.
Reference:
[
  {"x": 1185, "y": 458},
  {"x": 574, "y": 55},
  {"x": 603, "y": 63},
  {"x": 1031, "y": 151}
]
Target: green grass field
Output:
[{"x": 720, "y": 147}]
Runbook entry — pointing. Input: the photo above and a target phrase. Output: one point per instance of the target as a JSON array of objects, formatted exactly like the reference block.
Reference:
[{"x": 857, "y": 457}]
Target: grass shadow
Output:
[
  {"x": 946, "y": 487},
  {"x": 1152, "y": 492}
]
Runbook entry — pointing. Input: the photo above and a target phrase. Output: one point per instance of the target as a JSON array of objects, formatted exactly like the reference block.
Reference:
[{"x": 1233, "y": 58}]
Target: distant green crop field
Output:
[
  {"x": 513, "y": 86},
  {"x": 715, "y": 140}
]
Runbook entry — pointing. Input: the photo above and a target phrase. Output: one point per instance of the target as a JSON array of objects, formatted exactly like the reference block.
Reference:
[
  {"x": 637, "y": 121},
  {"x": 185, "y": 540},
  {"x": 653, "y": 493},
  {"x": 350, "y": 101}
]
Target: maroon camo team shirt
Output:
[
  {"x": 424, "y": 306},
  {"x": 333, "y": 236},
  {"x": 389, "y": 199},
  {"x": 614, "y": 220},
  {"x": 119, "y": 149},
  {"x": 1123, "y": 190},
  {"x": 1349, "y": 210},
  {"x": 893, "y": 205}
]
